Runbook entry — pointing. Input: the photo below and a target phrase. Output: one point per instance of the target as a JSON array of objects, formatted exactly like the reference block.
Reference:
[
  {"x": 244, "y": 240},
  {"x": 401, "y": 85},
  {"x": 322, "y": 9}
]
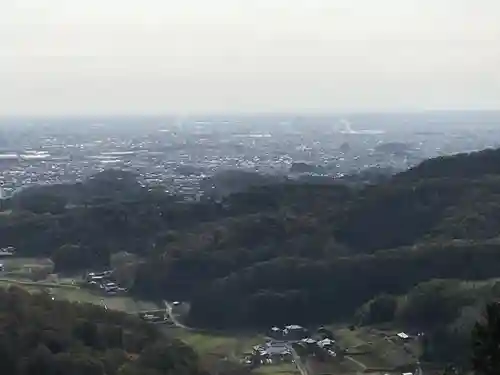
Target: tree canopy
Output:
[
  {"x": 40, "y": 336},
  {"x": 289, "y": 251}
]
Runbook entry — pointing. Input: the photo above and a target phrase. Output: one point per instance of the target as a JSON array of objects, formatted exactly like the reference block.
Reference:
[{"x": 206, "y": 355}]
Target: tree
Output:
[
  {"x": 164, "y": 357},
  {"x": 40, "y": 201},
  {"x": 451, "y": 370},
  {"x": 113, "y": 360},
  {"x": 39, "y": 336},
  {"x": 379, "y": 310},
  {"x": 69, "y": 258},
  {"x": 40, "y": 362},
  {"x": 486, "y": 342},
  {"x": 8, "y": 356}
]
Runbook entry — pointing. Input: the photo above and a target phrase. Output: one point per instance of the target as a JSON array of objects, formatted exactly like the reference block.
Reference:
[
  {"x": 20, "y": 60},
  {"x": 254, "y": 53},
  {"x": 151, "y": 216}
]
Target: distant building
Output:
[
  {"x": 295, "y": 332},
  {"x": 7, "y": 251},
  {"x": 326, "y": 333},
  {"x": 273, "y": 350},
  {"x": 98, "y": 276},
  {"x": 403, "y": 336},
  {"x": 326, "y": 343},
  {"x": 309, "y": 341}
]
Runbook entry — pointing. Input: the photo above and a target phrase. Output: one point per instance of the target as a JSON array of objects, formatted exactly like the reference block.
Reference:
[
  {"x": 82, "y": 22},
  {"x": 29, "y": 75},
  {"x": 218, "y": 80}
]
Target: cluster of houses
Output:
[
  {"x": 269, "y": 353},
  {"x": 288, "y": 333},
  {"x": 104, "y": 282},
  {"x": 7, "y": 251},
  {"x": 282, "y": 342}
]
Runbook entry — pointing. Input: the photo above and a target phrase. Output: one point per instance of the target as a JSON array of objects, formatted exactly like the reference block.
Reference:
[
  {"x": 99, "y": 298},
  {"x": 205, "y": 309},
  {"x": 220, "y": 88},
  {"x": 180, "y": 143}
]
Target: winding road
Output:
[
  {"x": 360, "y": 364},
  {"x": 298, "y": 361},
  {"x": 168, "y": 311}
]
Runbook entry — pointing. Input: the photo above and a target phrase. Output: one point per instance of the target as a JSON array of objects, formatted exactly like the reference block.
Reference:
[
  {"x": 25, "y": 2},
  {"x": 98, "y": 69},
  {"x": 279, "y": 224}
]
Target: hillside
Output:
[
  {"x": 285, "y": 253},
  {"x": 41, "y": 336}
]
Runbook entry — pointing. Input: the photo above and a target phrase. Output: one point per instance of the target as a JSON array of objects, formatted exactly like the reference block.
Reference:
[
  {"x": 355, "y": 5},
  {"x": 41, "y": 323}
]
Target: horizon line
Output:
[{"x": 244, "y": 114}]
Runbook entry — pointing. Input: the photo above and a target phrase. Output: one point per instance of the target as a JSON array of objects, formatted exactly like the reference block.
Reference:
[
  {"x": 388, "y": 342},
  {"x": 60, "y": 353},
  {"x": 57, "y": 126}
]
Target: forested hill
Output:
[
  {"x": 276, "y": 254},
  {"x": 472, "y": 165},
  {"x": 41, "y": 336}
]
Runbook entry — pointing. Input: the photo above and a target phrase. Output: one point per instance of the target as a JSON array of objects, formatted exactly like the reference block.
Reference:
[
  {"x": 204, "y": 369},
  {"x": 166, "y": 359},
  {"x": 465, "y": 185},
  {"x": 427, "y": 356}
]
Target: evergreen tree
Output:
[{"x": 486, "y": 342}]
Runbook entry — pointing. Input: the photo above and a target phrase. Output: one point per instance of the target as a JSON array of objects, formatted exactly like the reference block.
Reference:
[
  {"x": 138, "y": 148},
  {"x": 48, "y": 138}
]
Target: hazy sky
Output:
[{"x": 181, "y": 56}]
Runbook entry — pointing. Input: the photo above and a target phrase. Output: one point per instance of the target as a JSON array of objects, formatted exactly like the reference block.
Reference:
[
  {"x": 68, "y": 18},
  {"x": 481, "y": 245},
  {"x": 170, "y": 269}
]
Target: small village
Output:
[
  {"x": 105, "y": 282},
  {"x": 305, "y": 350},
  {"x": 302, "y": 347},
  {"x": 288, "y": 343}
]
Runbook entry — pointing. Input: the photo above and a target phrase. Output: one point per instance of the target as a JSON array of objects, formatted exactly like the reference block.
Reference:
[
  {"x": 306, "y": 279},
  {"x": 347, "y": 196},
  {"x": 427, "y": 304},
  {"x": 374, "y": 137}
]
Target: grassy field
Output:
[
  {"x": 218, "y": 351},
  {"x": 341, "y": 366},
  {"x": 217, "y": 344},
  {"x": 376, "y": 349},
  {"x": 17, "y": 271},
  {"x": 16, "y": 264},
  {"x": 278, "y": 369},
  {"x": 121, "y": 303},
  {"x": 68, "y": 289},
  {"x": 75, "y": 294},
  {"x": 358, "y": 339}
]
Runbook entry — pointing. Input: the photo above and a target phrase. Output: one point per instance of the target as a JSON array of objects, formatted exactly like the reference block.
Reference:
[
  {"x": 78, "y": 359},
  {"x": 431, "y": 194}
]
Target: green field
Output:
[
  {"x": 336, "y": 366},
  {"x": 16, "y": 264},
  {"x": 75, "y": 294},
  {"x": 122, "y": 303},
  {"x": 18, "y": 270},
  {"x": 218, "y": 344},
  {"x": 375, "y": 348},
  {"x": 279, "y": 369}
]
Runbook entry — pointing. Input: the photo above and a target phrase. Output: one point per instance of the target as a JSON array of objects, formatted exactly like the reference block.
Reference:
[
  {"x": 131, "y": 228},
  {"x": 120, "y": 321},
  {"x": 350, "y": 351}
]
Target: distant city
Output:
[{"x": 178, "y": 153}]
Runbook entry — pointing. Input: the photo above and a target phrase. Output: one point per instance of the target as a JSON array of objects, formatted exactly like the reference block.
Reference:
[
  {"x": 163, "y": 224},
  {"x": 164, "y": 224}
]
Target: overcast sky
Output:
[{"x": 191, "y": 56}]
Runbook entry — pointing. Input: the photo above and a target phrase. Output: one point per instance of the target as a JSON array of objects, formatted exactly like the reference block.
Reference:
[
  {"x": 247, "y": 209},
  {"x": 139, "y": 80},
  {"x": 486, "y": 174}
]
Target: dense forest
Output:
[
  {"x": 421, "y": 248},
  {"x": 40, "y": 336}
]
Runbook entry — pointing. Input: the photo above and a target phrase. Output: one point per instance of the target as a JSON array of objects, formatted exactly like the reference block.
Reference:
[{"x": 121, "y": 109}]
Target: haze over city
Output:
[
  {"x": 195, "y": 56},
  {"x": 250, "y": 187}
]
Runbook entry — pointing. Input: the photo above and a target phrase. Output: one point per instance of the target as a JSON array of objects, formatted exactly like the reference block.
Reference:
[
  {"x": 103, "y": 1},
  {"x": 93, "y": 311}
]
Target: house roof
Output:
[
  {"x": 403, "y": 335},
  {"x": 294, "y": 327},
  {"x": 326, "y": 342},
  {"x": 276, "y": 350},
  {"x": 309, "y": 341}
]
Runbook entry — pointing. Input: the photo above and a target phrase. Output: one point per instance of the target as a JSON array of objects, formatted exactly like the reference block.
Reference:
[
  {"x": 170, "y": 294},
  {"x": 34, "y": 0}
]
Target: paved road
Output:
[
  {"x": 38, "y": 284},
  {"x": 168, "y": 310},
  {"x": 360, "y": 364},
  {"x": 298, "y": 361}
]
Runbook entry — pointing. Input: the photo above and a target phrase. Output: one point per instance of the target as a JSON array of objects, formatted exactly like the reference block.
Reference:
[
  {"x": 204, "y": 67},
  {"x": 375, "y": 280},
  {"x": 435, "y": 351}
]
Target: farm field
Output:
[
  {"x": 17, "y": 272},
  {"x": 369, "y": 349},
  {"x": 217, "y": 344},
  {"x": 279, "y": 369},
  {"x": 76, "y": 294},
  {"x": 342, "y": 366},
  {"x": 373, "y": 349}
]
